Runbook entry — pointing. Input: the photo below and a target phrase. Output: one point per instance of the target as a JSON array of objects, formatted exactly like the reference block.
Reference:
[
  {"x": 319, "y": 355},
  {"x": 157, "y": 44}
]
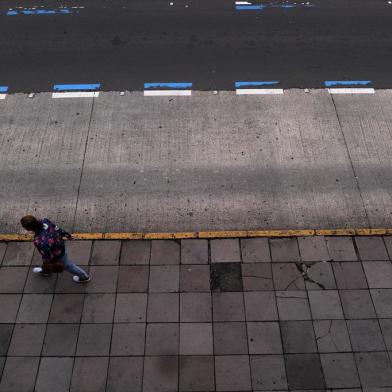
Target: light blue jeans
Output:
[{"x": 71, "y": 267}]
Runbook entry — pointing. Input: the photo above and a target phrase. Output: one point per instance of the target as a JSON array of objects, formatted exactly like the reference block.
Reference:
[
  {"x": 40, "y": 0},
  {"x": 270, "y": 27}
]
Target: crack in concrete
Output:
[{"x": 304, "y": 269}]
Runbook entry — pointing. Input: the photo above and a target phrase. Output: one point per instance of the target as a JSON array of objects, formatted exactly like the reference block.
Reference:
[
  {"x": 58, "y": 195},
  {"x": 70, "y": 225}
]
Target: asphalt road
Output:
[{"x": 122, "y": 44}]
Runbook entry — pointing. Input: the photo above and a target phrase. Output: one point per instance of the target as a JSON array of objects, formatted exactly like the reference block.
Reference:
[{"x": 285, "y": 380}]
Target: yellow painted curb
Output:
[{"x": 212, "y": 234}]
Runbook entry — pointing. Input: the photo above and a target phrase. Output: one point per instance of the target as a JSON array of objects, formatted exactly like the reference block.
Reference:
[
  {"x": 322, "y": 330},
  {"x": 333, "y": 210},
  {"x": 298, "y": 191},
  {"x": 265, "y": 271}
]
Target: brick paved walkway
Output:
[{"x": 309, "y": 313}]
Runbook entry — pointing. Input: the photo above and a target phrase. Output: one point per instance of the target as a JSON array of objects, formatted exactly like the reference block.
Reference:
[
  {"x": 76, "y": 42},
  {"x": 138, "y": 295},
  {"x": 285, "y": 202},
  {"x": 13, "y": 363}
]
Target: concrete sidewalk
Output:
[
  {"x": 250, "y": 314},
  {"x": 206, "y": 162}
]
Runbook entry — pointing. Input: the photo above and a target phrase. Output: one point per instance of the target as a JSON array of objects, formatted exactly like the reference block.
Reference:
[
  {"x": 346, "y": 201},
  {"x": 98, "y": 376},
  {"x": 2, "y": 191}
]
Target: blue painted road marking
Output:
[
  {"x": 243, "y": 84},
  {"x": 250, "y": 7},
  {"x": 39, "y": 12},
  {"x": 3, "y": 89},
  {"x": 168, "y": 85},
  {"x": 331, "y": 83},
  {"x": 76, "y": 87}
]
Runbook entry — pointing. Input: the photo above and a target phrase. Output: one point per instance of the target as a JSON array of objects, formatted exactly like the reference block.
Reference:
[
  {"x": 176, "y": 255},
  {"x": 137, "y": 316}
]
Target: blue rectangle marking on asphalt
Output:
[
  {"x": 3, "y": 89},
  {"x": 39, "y": 12},
  {"x": 76, "y": 87},
  {"x": 168, "y": 85},
  {"x": 331, "y": 83},
  {"x": 249, "y": 7},
  {"x": 266, "y": 83}
]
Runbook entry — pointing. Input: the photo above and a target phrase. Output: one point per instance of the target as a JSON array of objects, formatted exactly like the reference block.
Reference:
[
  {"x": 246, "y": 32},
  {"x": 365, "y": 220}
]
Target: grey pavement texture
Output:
[
  {"x": 207, "y": 162},
  {"x": 201, "y": 315}
]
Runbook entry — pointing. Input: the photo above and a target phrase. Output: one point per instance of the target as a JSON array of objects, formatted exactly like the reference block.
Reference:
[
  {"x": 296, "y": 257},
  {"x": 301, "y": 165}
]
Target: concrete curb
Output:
[{"x": 212, "y": 234}]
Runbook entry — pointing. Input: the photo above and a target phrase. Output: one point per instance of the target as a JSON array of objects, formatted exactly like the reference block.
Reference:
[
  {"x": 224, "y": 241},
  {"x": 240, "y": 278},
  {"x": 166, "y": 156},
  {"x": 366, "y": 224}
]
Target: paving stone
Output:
[
  {"x": 196, "y": 339},
  {"x": 374, "y": 369},
  {"x": 228, "y": 307},
  {"x": 66, "y": 308},
  {"x": 2, "y": 363},
  {"x": 320, "y": 277},
  {"x": 304, "y": 371},
  {"x": 18, "y": 253},
  {"x": 365, "y": 335},
  {"x": 268, "y": 372},
  {"x": 197, "y": 373},
  {"x": 325, "y": 304},
  {"x": 332, "y": 336},
  {"x": 19, "y": 374},
  {"x": 9, "y": 305},
  {"x": 125, "y": 374},
  {"x": 38, "y": 284},
  {"x": 98, "y": 308},
  {"x": 195, "y": 307},
  {"x": 379, "y": 274},
  {"x": 349, "y": 275},
  {"x": 106, "y": 253},
  {"x": 382, "y": 299},
  {"x": 66, "y": 285},
  {"x": 357, "y": 304},
  {"x": 226, "y": 277},
  {"x": 293, "y": 305},
  {"x": 287, "y": 277},
  {"x": 194, "y": 278},
  {"x": 386, "y": 328},
  {"x": 34, "y": 308},
  {"x": 162, "y": 339},
  {"x": 37, "y": 258},
  {"x": 12, "y": 279},
  {"x": 160, "y": 374},
  {"x": 313, "y": 249},
  {"x": 163, "y": 307},
  {"x": 60, "y": 340},
  {"x": 264, "y": 338},
  {"x": 260, "y": 306},
  {"x": 103, "y": 279},
  {"x": 230, "y": 338},
  {"x": 164, "y": 279},
  {"x": 130, "y": 308},
  {"x": 371, "y": 248},
  {"x": 3, "y": 248},
  {"x": 89, "y": 374},
  {"x": 388, "y": 244},
  {"x": 164, "y": 252},
  {"x": 340, "y": 370},
  {"x": 5, "y": 338},
  {"x": 298, "y": 337},
  {"x": 341, "y": 249},
  {"x": 94, "y": 340},
  {"x": 232, "y": 373},
  {"x": 128, "y": 339},
  {"x": 255, "y": 250},
  {"x": 257, "y": 276},
  {"x": 54, "y": 374},
  {"x": 135, "y": 252},
  {"x": 194, "y": 251},
  {"x": 79, "y": 251},
  {"x": 284, "y": 249},
  {"x": 27, "y": 340},
  {"x": 225, "y": 251},
  {"x": 133, "y": 279}
]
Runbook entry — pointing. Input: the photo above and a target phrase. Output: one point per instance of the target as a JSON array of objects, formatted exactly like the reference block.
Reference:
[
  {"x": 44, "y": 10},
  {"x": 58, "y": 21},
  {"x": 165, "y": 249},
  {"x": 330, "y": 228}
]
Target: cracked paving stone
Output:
[
  {"x": 257, "y": 276},
  {"x": 332, "y": 336},
  {"x": 320, "y": 276},
  {"x": 226, "y": 277},
  {"x": 287, "y": 277}
]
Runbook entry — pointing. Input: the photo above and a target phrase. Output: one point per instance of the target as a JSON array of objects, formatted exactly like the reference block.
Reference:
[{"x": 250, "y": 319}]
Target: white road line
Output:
[
  {"x": 258, "y": 91},
  {"x": 77, "y": 94},
  {"x": 243, "y": 3},
  {"x": 351, "y": 90},
  {"x": 2, "y": 96},
  {"x": 166, "y": 93}
]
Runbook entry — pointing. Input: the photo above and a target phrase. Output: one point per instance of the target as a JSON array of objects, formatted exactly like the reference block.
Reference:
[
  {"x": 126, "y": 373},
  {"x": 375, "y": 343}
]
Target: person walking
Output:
[{"x": 49, "y": 240}]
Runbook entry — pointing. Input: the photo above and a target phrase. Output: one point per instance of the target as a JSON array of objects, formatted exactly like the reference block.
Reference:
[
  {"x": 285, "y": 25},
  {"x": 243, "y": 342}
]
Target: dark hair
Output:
[{"x": 30, "y": 223}]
